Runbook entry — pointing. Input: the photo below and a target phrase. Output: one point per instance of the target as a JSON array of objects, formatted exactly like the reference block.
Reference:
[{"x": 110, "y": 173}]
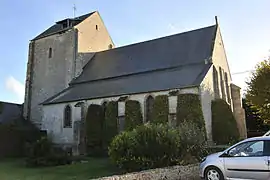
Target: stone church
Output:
[{"x": 74, "y": 63}]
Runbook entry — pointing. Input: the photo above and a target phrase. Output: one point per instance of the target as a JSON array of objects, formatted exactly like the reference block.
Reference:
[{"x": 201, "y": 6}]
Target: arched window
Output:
[
  {"x": 110, "y": 46},
  {"x": 104, "y": 106},
  {"x": 50, "y": 53},
  {"x": 149, "y": 107},
  {"x": 67, "y": 117}
]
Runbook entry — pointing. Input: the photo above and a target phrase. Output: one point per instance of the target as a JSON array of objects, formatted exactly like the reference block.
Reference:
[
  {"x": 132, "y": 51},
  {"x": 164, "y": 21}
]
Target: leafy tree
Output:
[
  {"x": 254, "y": 121},
  {"x": 258, "y": 91}
]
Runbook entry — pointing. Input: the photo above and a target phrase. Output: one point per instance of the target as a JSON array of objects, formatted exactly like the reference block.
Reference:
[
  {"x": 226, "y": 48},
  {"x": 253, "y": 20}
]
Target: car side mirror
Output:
[
  {"x": 249, "y": 150},
  {"x": 226, "y": 154}
]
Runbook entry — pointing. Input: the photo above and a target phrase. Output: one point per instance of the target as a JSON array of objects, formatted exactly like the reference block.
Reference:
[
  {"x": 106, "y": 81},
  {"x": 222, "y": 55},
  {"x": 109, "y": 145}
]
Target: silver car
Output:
[{"x": 248, "y": 159}]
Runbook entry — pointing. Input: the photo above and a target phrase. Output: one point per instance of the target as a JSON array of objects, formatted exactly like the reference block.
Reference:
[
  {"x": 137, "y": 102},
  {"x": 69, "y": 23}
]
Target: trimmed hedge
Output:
[
  {"x": 189, "y": 109},
  {"x": 94, "y": 120},
  {"x": 133, "y": 115},
  {"x": 147, "y": 146},
  {"x": 224, "y": 126},
  {"x": 160, "y": 110},
  {"x": 110, "y": 129}
]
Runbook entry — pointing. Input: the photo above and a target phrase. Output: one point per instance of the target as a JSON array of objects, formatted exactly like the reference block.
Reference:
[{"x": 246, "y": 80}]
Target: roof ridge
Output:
[{"x": 158, "y": 38}]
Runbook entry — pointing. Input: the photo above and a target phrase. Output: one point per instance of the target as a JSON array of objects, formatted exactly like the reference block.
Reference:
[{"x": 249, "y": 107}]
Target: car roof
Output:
[{"x": 258, "y": 138}]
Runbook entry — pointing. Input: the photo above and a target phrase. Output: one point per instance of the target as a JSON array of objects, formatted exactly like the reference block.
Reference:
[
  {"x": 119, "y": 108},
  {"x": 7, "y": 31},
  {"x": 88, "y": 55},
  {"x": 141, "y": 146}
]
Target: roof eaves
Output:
[
  {"x": 62, "y": 30},
  {"x": 121, "y": 94}
]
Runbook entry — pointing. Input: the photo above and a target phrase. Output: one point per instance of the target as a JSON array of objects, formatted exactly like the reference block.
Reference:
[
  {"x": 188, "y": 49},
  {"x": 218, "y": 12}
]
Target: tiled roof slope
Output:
[{"x": 175, "y": 61}]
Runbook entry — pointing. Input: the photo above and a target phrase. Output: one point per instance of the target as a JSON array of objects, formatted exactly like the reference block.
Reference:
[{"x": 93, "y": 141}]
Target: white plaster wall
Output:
[
  {"x": 53, "y": 114},
  {"x": 207, "y": 95},
  {"x": 53, "y": 122}
]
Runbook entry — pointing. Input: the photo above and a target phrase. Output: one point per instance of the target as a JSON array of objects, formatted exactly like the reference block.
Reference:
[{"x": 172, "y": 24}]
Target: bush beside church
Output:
[{"x": 142, "y": 146}]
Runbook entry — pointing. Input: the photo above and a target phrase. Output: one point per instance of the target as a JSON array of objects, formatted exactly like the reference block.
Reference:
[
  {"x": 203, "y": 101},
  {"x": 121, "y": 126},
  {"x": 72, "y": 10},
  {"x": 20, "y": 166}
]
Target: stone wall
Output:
[
  {"x": 190, "y": 172},
  {"x": 71, "y": 50},
  {"x": 219, "y": 60},
  {"x": 50, "y": 75},
  {"x": 238, "y": 111},
  {"x": 207, "y": 95}
]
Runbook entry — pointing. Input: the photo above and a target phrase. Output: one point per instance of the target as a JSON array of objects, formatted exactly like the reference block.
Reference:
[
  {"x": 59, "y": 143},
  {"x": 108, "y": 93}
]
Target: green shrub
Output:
[
  {"x": 14, "y": 136},
  {"x": 42, "y": 153},
  {"x": 94, "y": 121},
  {"x": 160, "y": 110},
  {"x": 189, "y": 109},
  {"x": 147, "y": 146},
  {"x": 133, "y": 115},
  {"x": 110, "y": 128},
  {"x": 224, "y": 127},
  {"x": 193, "y": 142}
]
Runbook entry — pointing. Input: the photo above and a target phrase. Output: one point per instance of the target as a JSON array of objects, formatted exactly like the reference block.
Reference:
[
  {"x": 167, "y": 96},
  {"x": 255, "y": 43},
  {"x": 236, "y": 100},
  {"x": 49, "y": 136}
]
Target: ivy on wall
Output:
[
  {"x": 133, "y": 115},
  {"x": 94, "y": 120},
  {"x": 189, "y": 109},
  {"x": 224, "y": 126},
  {"x": 160, "y": 109},
  {"x": 110, "y": 129}
]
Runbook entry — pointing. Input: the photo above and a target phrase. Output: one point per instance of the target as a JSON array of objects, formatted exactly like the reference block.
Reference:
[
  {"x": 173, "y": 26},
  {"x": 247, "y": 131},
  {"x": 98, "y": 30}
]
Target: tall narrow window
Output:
[
  {"x": 96, "y": 27},
  {"x": 227, "y": 88},
  {"x": 222, "y": 83},
  {"x": 50, "y": 52},
  {"x": 216, "y": 84},
  {"x": 67, "y": 117},
  {"x": 149, "y": 108}
]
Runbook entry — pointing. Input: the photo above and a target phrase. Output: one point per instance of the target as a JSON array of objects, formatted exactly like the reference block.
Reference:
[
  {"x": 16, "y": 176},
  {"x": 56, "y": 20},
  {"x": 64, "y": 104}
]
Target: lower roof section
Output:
[{"x": 178, "y": 77}]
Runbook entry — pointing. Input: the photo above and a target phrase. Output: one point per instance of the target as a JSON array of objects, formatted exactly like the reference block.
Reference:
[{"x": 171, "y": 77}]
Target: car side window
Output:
[
  {"x": 266, "y": 148},
  {"x": 248, "y": 149}
]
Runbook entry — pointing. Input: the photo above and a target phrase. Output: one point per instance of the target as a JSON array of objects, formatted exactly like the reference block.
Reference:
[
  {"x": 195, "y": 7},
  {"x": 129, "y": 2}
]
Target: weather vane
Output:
[{"x": 74, "y": 10}]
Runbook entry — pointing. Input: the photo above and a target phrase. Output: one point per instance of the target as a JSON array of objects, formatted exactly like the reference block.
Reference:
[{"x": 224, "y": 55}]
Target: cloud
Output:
[{"x": 15, "y": 87}]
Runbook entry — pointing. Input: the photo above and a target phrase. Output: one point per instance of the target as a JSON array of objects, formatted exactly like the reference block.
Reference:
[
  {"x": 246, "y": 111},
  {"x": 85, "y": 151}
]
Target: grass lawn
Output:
[{"x": 16, "y": 170}]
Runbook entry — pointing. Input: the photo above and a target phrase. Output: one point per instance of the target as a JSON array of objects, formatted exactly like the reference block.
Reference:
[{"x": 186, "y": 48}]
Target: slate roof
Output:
[
  {"x": 9, "y": 112},
  {"x": 57, "y": 27},
  {"x": 170, "y": 62}
]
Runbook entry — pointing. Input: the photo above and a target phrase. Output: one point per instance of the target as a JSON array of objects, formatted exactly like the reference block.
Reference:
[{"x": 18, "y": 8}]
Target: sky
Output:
[{"x": 244, "y": 26}]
